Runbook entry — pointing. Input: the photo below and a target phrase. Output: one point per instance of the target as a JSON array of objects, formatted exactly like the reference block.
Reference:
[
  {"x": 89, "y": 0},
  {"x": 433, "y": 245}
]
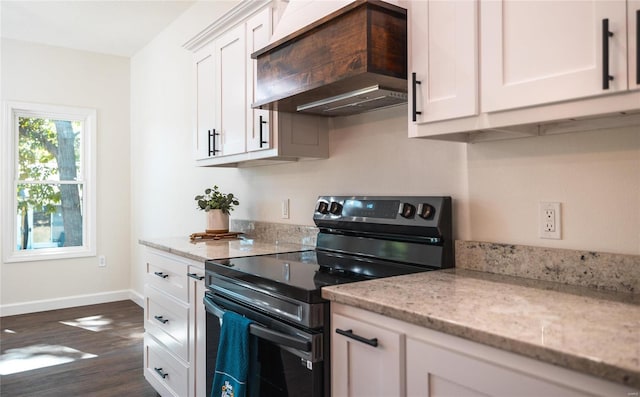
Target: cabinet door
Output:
[
  {"x": 359, "y": 369},
  {"x": 258, "y": 30},
  {"x": 633, "y": 27},
  {"x": 197, "y": 330},
  {"x": 537, "y": 52},
  {"x": 443, "y": 56},
  {"x": 435, "y": 371},
  {"x": 205, "y": 98},
  {"x": 231, "y": 93}
]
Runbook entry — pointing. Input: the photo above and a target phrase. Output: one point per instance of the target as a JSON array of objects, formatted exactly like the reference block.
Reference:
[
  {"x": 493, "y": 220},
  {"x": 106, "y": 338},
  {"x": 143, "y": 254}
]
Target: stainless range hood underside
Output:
[{"x": 358, "y": 101}]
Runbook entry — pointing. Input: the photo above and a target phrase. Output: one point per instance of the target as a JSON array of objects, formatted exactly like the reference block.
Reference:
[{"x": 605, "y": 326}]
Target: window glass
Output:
[
  {"x": 49, "y": 149},
  {"x": 47, "y": 217},
  {"x": 50, "y": 160}
]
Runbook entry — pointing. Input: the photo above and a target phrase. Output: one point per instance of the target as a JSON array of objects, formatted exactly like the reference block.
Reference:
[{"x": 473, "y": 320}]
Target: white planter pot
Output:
[{"x": 217, "y": 222}]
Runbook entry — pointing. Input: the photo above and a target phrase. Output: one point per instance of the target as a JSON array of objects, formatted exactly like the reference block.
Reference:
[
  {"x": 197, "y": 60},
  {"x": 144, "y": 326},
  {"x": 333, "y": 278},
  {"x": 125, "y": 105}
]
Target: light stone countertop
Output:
[
  {"x": 201, "y": 250},
  {"x": 589, "y": 331}
]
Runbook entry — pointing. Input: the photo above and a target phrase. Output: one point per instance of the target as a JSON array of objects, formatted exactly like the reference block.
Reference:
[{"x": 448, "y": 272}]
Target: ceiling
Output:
[{"x": 117, "y": 27}]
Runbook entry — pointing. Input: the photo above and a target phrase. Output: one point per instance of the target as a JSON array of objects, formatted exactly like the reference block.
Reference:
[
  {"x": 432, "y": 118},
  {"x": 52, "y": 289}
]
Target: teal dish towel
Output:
[{"x": 232, "y": 362}]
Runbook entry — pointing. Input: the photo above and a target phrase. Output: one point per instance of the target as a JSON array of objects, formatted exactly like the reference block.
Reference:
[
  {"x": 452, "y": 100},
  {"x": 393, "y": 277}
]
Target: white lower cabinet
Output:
[
  {"x": 174, "y": 344},
  {"x": 357, "y": 348},
  {"x": 435, "y": 371},
  {"x": 415, "y": 361}
]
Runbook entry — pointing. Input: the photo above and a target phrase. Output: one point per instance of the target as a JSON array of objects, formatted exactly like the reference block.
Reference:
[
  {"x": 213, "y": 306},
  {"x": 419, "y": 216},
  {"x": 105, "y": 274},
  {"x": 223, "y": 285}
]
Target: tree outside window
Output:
[
  {"x": 49, "y": 150},
  {"x": 52, "y": 169}
]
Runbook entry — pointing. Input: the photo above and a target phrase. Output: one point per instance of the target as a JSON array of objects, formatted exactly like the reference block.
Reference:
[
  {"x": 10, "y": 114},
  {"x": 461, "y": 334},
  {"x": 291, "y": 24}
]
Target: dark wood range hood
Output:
[{"x": 351, "y": 61}]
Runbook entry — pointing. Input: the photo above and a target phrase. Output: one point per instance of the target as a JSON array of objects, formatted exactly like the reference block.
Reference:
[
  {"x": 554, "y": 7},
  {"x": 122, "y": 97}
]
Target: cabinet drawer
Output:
[
  {"x": 164, "y": 372},
  {"x": 168, "y": 275},
  {"x": 167, "y": 320}
]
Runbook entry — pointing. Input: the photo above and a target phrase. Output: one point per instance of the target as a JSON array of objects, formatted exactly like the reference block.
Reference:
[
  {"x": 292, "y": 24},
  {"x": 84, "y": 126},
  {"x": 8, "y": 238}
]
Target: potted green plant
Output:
[{"x": 217, "y": 205}]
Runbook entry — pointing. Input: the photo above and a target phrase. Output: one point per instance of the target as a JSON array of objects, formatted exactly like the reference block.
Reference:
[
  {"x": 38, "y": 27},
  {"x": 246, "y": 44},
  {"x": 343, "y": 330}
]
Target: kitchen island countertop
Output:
[
  {"x": 583, "y": 329},
  {"x": 202, "y": 250}
]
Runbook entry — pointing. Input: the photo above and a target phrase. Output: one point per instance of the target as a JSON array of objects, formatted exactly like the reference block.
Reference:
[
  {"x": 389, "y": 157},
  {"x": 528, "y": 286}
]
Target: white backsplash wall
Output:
[
  {"x": 369, "y": 154},
  {"x": 595, "y": 175}
]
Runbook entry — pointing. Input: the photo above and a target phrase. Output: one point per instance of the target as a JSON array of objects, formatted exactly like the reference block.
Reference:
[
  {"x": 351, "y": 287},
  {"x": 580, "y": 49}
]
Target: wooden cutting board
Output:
[{"x": 214, "y": 236}]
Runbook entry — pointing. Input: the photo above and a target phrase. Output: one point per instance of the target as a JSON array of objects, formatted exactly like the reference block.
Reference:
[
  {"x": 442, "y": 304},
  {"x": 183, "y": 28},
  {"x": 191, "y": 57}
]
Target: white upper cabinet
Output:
[
  {"x": 537, "y": 52},
  {"x": 633, "y": 29},
  {"x": 228, "y": 131},
  {"x": 231, "y": 103},
  {"x": 205, "y": 102},
  {"x": 258, "y": 30},
  {"x": 499, "y": 69},
  {"x": 442, "y": 59}
]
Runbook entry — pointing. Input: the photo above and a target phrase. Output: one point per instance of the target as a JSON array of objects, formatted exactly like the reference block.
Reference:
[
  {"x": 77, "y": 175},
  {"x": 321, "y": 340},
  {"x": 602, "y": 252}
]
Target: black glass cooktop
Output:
[{"x": 300, "y": 275}]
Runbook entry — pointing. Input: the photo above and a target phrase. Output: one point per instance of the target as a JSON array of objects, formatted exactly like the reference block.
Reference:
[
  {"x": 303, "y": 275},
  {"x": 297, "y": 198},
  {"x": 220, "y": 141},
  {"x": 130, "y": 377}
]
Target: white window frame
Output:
[{"x": 11, "y": 112}]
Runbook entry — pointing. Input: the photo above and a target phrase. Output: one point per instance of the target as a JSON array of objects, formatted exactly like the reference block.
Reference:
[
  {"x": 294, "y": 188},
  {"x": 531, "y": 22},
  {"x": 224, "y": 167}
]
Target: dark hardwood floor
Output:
[{"x": 107, "y": 356}]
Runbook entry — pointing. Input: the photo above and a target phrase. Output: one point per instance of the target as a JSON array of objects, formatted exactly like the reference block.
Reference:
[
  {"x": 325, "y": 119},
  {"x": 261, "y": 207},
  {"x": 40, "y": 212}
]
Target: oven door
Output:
[{"x": 289, "y": 359}]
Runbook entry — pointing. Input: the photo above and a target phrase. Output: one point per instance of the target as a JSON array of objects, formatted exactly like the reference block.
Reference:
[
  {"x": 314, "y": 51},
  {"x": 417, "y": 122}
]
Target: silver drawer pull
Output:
[{"x": 160, "y": 274}]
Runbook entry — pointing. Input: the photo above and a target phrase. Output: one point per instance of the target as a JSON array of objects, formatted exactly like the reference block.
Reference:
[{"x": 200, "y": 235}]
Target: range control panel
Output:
[{"x": 347, "y": 212}]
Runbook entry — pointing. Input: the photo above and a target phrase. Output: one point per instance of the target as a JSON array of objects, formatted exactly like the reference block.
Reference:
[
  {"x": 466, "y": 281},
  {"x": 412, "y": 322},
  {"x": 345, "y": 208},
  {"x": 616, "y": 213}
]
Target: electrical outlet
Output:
[
  {"x": 550, "y": 220},
  {"x": 285, "y": 209},
  {"x": 102, "y": 261}
]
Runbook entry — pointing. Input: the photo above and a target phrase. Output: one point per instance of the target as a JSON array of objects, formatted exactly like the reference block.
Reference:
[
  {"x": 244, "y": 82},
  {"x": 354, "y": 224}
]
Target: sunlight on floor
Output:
[
  {"x": 91, "y": 323},
  {"x": 38, "y": 356},
  {"x": 136, "y": 335}
]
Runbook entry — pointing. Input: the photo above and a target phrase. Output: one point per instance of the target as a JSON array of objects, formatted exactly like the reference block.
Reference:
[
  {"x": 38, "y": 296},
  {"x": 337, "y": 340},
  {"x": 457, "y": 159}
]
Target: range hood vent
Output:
[
  {"x": 353, "y": 102},
  {"x": 351, "y": 61}
]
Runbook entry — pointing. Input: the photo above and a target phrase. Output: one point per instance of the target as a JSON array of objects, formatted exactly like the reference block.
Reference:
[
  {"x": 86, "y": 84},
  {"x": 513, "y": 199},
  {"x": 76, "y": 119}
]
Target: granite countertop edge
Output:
[
  {"x": 174, "y": 251},
  {"x": 388, "y": 306},
  {"x": 202, "y": 250}
]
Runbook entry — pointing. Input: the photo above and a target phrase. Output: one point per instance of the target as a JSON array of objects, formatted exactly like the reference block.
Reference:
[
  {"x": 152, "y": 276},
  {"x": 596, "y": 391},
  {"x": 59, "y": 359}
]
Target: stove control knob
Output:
[
  {"x": 426, "y": 211},
  {"x": 407, "y": 210},
  {"x": 335, "y": 208},
  {"x": 323, "y": 207}
]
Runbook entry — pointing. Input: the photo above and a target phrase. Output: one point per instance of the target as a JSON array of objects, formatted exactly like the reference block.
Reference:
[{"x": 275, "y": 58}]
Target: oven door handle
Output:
[{"x": 263, "y": 332}]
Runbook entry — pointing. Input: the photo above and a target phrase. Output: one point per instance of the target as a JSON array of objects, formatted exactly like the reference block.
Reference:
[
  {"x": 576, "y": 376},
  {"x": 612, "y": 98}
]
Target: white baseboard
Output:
[
  {"x": 69, "y": 301},
  {"x": 137, "y": 298}
]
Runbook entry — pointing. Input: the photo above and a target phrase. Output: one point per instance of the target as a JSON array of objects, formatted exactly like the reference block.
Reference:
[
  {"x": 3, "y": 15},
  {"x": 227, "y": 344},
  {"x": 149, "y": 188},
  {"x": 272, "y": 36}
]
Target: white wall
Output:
[{"x": 52, "y": 75}]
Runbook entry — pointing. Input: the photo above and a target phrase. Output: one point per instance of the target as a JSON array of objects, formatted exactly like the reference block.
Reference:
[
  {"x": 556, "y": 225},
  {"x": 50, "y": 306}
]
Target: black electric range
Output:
[{"x": 360, "y": 238}]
